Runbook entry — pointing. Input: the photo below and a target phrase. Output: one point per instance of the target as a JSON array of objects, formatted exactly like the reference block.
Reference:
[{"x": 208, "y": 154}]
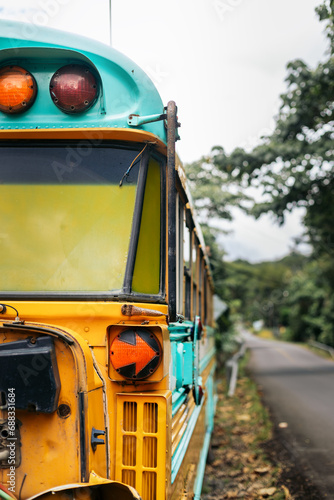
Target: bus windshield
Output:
[{"x": 65, "y": 223}]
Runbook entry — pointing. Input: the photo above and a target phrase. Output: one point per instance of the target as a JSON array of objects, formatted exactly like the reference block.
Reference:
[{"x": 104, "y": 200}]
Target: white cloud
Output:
[{"x": 263, "y": 239}]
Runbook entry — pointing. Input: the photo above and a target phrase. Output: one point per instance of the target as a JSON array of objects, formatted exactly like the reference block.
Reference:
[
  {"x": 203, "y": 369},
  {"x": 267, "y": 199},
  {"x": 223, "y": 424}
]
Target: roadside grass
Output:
[
  {"x": 268, "y": 335},
  {"x": 239, "y": 466},
  {"x": 318, "y": 352},
  {"x": 265, "y": 334}
]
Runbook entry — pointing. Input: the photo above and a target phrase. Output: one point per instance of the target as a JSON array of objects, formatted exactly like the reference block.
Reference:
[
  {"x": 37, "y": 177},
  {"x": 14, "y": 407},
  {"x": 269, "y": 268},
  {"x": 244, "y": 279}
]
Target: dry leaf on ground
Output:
[
  {"x": 286, "y": 492},
  {"x": 267, "y": 492},
  {"x": 262, "y": 470},
  {"x": 232, "y": 494},
  {"x": 244, "y": 418}
]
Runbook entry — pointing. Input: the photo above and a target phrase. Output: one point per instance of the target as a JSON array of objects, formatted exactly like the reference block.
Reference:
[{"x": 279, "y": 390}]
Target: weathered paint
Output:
[
  {"x": 89, "y": 386},
  {"x": 125, "y": 88}
]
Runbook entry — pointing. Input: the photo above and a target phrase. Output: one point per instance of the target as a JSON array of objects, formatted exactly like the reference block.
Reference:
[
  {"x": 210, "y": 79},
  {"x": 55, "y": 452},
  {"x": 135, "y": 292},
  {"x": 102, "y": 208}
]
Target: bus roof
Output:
[{"x": 125, "y": 89}]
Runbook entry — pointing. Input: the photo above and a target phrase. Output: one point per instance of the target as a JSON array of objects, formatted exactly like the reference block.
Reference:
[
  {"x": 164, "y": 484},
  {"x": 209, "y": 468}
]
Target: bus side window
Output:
[
  {"x": 194, "y": 265},
  {"x": 205, "y": 298},
  {"x": 187, "y": 236},
  {"x": 180, "y": 209},
  {"x": 200, "y": 284},
  {"x": 209, "y": 306}
]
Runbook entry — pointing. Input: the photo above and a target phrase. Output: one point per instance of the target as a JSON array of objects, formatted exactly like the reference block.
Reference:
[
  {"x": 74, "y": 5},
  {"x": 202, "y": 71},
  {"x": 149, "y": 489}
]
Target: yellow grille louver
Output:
[
  {"x": 130, "y": 416},
  {"x": 143, "y": 454}
]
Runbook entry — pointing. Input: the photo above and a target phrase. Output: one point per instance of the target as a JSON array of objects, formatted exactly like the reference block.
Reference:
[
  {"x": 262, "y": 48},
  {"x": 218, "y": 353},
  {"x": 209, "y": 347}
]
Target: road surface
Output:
[{"x": 298, "y": 387}]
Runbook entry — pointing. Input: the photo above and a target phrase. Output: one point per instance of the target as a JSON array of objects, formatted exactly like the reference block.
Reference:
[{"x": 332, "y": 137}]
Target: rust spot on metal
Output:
[
  {"x": 130, "y": 310},
  {"x": 64, "y": 411}
]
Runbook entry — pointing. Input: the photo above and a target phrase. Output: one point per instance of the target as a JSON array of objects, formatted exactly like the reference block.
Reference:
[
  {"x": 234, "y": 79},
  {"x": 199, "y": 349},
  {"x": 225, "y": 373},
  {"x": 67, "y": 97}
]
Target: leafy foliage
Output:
[
  {"x": 209, "y": 189},
  {"x": 262, "y": 288},
  {"x": 294, "y": 167}
]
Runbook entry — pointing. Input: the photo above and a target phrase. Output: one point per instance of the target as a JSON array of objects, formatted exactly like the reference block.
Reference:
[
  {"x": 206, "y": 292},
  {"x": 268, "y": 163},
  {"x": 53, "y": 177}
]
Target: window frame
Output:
[{"x": 126, "y": 292}]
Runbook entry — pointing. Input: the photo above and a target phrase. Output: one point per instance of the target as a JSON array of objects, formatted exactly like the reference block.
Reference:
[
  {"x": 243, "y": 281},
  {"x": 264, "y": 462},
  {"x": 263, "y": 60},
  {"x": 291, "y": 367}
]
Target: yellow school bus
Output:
[{"x": 107, "y": 353}]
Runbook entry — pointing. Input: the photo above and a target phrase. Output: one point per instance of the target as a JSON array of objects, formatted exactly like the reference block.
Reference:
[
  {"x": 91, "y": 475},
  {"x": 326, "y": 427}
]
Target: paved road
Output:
[{"x": 298, "y": 387}]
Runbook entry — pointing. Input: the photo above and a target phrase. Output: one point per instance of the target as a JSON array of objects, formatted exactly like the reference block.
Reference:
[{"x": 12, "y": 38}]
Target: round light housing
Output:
[
  {"x": 135, "y": 354},
  {"x": 18, "y": 89},
  {"x": 74, "y": 88}
]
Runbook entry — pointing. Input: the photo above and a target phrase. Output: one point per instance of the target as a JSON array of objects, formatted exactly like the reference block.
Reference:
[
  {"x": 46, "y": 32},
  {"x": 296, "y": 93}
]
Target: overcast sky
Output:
[{"x": 222, "y": 61}]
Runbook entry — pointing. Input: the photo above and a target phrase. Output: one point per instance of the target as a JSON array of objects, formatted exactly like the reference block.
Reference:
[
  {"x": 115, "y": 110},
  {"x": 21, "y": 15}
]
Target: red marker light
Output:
[
  {"x": 135, "y": 354},
  {"x": 18, "y": 89},
  {"x": 74, "y": 88},
  {"x": 199, "y": 328}
]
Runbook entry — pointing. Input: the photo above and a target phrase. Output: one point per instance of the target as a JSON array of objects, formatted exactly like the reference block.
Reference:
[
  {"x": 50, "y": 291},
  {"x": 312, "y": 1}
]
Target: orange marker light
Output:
[
  {"x": 18, "y": 89},
  {"x": 135, "y": 354}
]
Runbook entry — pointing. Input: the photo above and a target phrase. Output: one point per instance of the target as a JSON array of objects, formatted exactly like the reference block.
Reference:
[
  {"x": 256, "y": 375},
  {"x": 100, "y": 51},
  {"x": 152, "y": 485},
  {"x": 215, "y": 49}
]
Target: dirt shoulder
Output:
[{"x": 248, "y": 458}]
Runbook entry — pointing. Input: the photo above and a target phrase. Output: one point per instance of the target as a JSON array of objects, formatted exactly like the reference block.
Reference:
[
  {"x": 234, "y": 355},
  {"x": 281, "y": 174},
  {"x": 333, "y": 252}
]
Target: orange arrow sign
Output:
[{"x": 124, "y": 353}]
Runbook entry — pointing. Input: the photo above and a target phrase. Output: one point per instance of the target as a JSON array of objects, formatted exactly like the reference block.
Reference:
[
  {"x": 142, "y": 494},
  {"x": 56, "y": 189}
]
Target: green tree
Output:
[
  {"x": 294, "y": 168},
  {"x": 211, "y": 189},
  {"x": 262, "y": 288},
  {"x": 294, "y": 165}
]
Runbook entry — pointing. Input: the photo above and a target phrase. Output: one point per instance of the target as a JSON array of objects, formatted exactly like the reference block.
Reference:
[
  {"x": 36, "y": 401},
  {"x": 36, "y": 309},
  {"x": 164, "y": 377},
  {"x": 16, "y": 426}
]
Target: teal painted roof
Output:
[{"x": 126, "y": 89}]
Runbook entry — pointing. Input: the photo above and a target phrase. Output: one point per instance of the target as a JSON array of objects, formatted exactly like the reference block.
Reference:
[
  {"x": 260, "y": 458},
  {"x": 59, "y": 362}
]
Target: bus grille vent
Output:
[
  {"x": 129, "y": 450},
  {"x": 149, "y": 485},
  {"x": 150, "y": 452},
  {"x": 150, "y": 417},
  {"x": 129, "y": 477},
  {"x": 130, "y": 416},
  {"x": 141, "y": 444}
]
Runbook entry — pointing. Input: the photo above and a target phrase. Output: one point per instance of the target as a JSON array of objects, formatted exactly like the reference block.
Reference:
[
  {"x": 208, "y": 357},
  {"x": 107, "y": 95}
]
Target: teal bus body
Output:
[{"x": 125, "y": 88}]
